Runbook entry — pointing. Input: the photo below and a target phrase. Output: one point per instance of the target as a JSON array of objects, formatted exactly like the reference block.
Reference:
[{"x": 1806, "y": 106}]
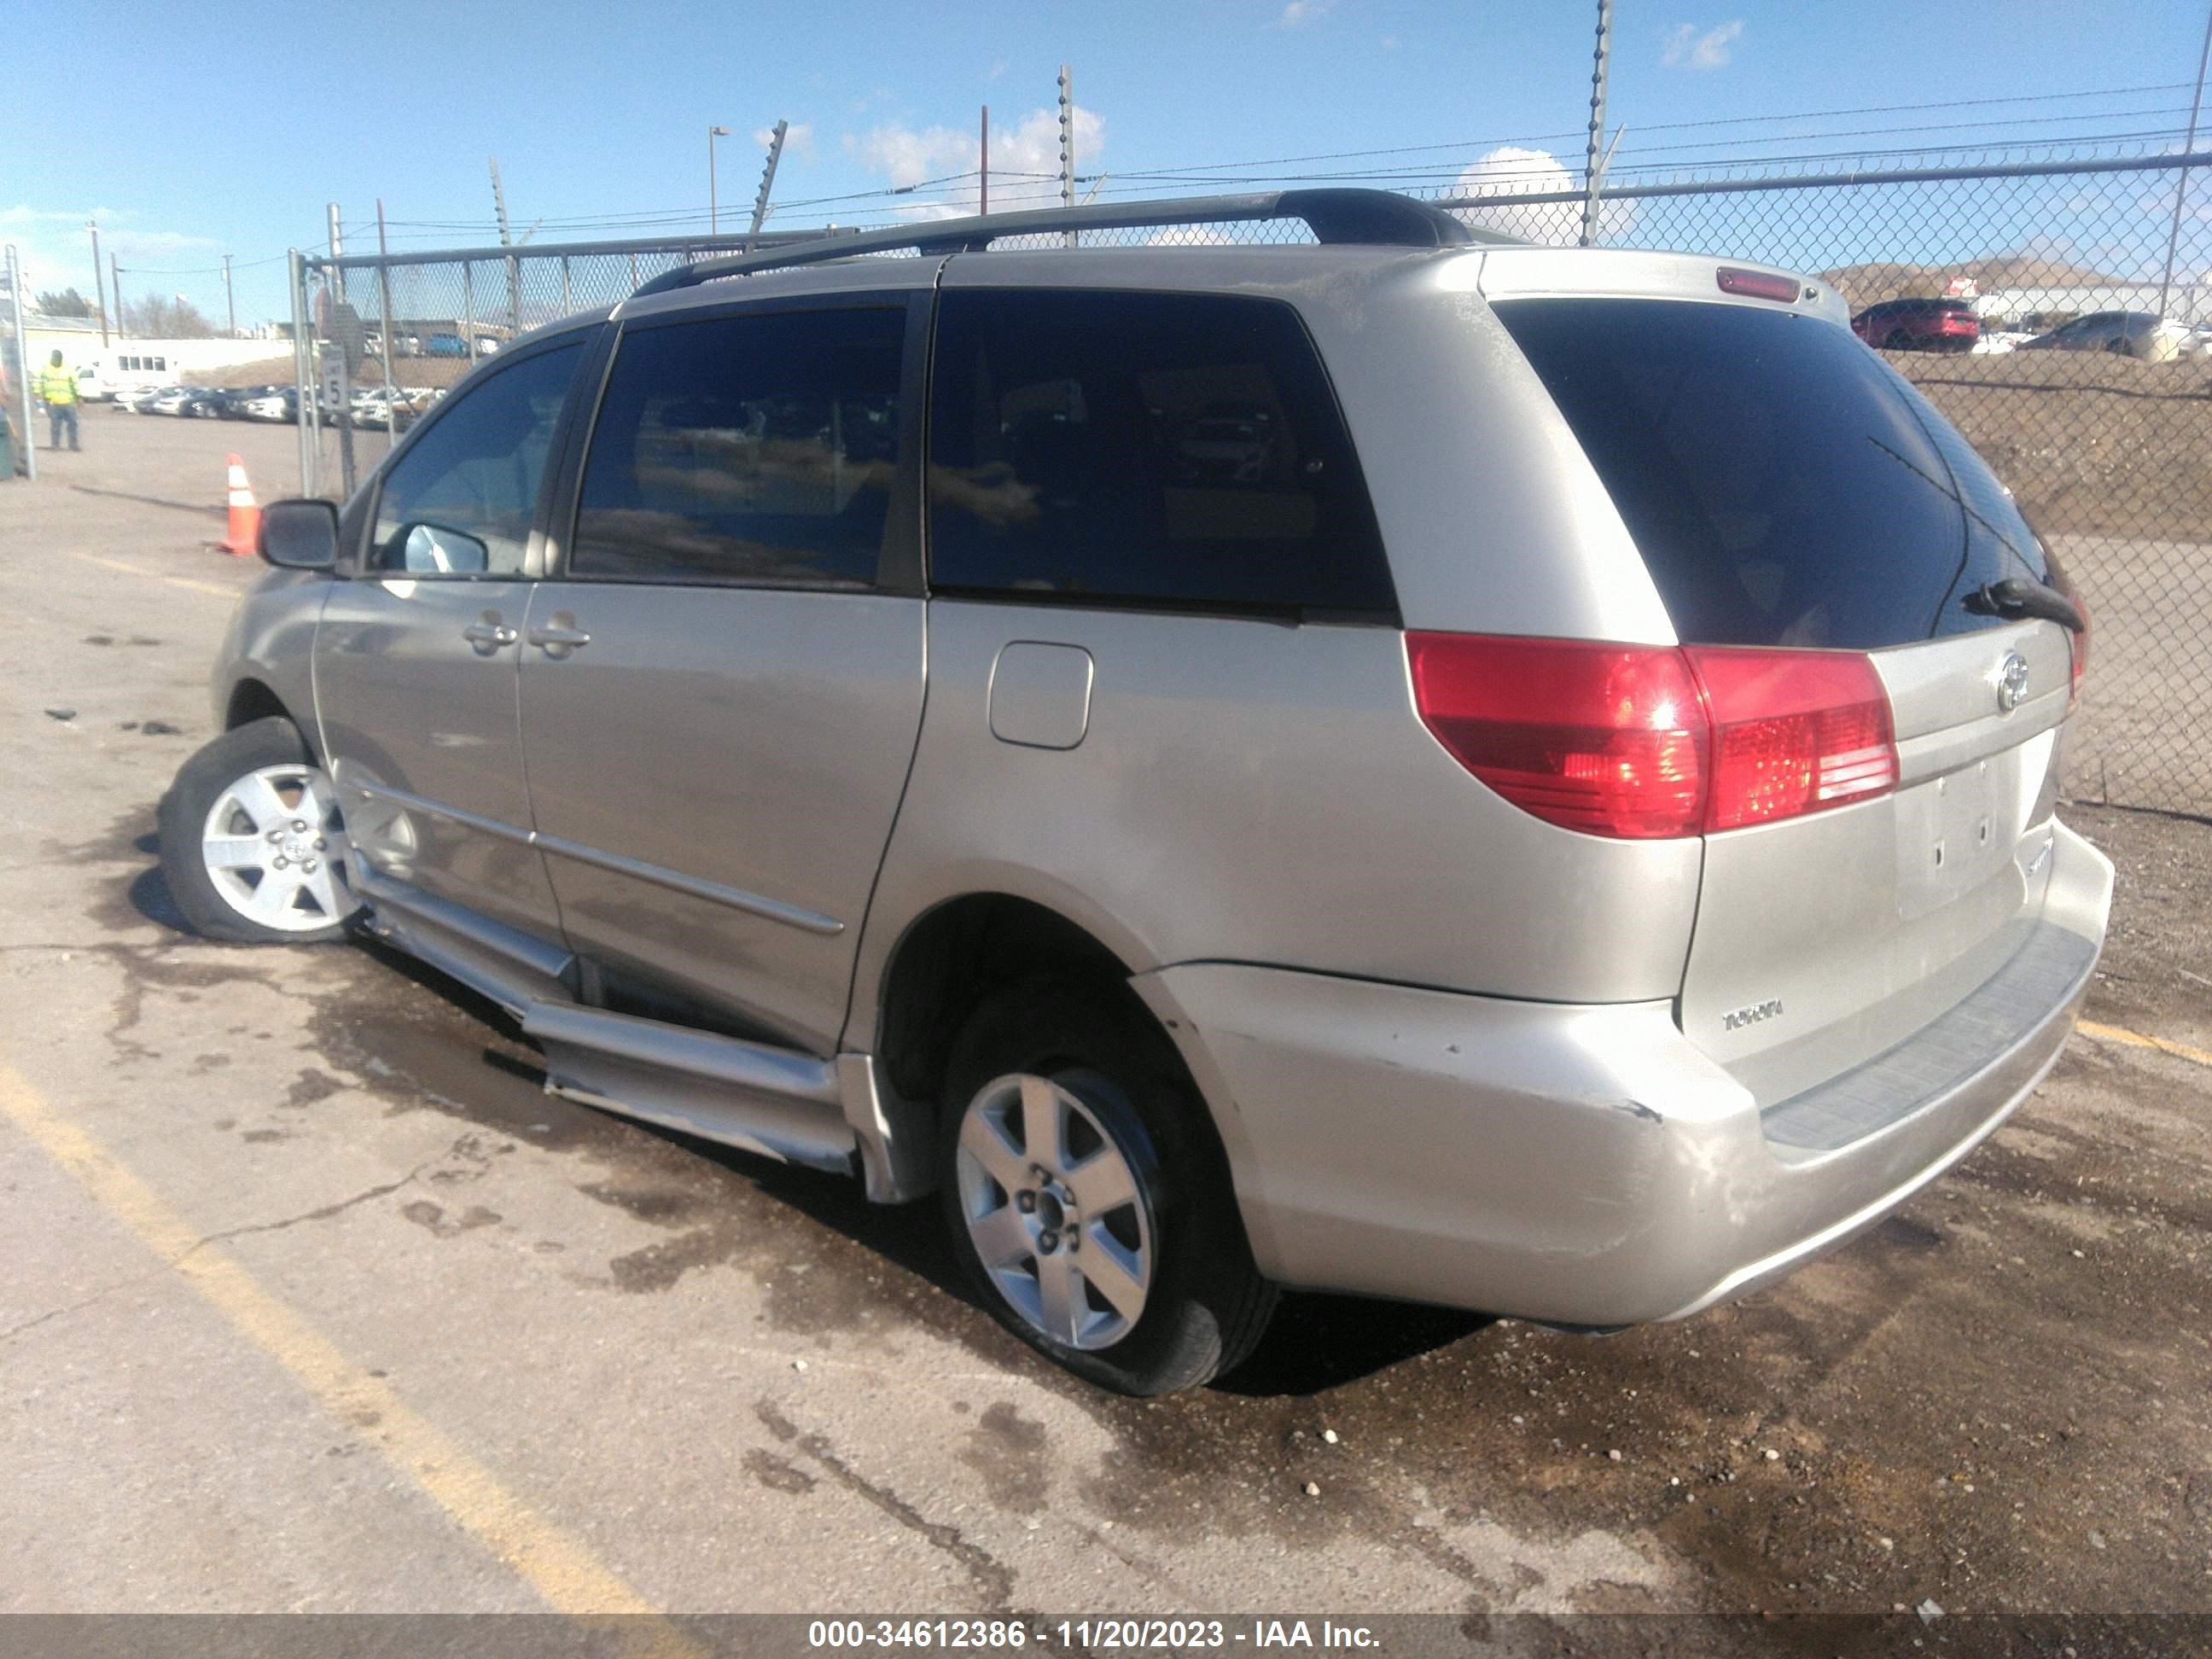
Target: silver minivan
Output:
[{"x": 1409, "y": 763}]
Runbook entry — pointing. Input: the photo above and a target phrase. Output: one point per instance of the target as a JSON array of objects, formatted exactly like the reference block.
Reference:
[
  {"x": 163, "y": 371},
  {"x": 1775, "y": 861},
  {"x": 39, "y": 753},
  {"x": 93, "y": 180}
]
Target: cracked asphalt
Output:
[{"x": 315, "y": 1301}]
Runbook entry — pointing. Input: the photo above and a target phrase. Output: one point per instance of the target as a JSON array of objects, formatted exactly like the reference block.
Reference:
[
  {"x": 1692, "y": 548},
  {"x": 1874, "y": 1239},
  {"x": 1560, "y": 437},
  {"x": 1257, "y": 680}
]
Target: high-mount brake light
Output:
[
  {"x": 1758, "y": 284},
  {"x": 1638, "y": 741}
]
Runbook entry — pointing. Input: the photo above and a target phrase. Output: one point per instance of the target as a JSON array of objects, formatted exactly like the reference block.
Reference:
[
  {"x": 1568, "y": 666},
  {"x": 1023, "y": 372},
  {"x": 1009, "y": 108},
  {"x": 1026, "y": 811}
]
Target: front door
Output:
[
  {"x": 416, "y": 657},
  {"x": 721, "y": 689}
]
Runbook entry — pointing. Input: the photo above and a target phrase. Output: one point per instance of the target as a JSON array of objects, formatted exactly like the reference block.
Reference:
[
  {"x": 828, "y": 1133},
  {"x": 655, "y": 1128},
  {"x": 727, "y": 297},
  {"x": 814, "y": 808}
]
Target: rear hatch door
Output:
[{"x": 1792, "y": 493}]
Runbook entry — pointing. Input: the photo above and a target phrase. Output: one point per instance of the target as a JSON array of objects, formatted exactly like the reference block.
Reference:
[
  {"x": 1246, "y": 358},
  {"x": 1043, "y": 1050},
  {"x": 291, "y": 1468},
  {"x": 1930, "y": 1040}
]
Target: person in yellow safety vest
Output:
[{"x": 58, "y": 387}]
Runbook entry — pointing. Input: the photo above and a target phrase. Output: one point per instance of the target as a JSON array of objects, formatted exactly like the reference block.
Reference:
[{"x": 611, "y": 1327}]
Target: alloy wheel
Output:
[
  {"x": 1058, "y": 1218},
  {"x": 275, "y": 849}
]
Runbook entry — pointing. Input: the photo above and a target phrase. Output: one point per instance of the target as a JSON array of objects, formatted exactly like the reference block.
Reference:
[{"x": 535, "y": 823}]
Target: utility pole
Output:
[
  {"x": 714, "y": 195},
  {"x": 768, "y": 179},
  {"x": 1594, "y": 164},
  {"x": 982, "y": 166},
  {"x": 229, "y": 297},
  {"x": 115, "y": 287},
  {"x": 100, "y": 293},
  {"x": 2181, "y": 185},
  {"x": 1067, "y": 141}
]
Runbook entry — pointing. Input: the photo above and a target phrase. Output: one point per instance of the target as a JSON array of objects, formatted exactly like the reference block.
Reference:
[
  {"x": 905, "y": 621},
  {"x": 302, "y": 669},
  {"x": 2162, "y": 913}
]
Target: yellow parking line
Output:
[
  {"x": 557, "y": 1566},
  {"x": 174, "y": 581},
  {"x": 2137, "y": 1040}
]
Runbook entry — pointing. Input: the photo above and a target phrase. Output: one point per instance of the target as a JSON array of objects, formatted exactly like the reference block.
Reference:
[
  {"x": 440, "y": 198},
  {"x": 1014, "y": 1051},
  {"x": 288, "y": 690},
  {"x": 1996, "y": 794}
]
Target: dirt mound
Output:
[
  {"x": 1870, "y": 284},
  {"x": 2090, "y": 443}
]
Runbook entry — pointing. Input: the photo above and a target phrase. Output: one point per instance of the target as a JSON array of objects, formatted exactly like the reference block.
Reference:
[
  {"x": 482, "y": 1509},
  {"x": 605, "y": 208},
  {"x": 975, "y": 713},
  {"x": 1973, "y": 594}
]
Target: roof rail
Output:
[{"x": 1376, "y": 217}]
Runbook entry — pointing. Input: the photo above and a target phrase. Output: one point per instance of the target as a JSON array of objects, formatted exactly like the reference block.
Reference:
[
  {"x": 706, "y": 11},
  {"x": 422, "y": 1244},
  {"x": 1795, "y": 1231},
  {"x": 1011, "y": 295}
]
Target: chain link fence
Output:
[{"x": 2087, "y": 380}]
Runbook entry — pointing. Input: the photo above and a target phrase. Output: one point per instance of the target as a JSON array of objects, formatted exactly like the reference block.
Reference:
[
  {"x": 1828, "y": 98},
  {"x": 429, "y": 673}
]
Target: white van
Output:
[{"x": 123, "y": 375}]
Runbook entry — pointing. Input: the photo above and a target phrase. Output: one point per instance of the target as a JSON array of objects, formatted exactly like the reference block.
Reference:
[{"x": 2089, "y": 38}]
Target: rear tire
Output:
[
  {"x": 1899, "y": 340},
  {"x": 252, "y": 847},
  {"x": 1069, "y": 1126}
]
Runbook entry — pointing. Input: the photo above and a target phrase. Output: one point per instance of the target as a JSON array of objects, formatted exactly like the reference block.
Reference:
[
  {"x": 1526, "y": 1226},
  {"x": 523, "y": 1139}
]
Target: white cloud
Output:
[
  {"x": 907, "y": 156},
  {"x": 56, "y": 253},
  {"x": 1510, "y": 170},
  {"x": 1303, "y": 11},
  {"x": 1687, "y": 47}
]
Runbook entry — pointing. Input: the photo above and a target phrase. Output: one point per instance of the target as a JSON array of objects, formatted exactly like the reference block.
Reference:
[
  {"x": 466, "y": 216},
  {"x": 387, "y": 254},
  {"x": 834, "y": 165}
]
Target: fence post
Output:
[
  {"x": 302, "y": 370},
  {"x": 1593, "y": 163},
  {"x": 384, "y": 304},
  {"x": 566, "y": 306},
  {"x": 468, "y": 305},
  {"x": 514, "y": 296},
  {"x": 22, "y": 363}
]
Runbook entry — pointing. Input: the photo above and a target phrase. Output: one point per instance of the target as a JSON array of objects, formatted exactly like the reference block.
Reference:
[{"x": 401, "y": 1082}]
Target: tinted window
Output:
[
  {"x": 460, "y": 501},
  {"x": 1177, "y": 448},
  {"x": 1785, "y": 486},
  {"x": 748, "y": 449}
]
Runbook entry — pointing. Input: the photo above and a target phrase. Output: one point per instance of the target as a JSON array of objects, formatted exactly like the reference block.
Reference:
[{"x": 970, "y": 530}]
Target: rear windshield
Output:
[{"x": 1784, "y": 485}]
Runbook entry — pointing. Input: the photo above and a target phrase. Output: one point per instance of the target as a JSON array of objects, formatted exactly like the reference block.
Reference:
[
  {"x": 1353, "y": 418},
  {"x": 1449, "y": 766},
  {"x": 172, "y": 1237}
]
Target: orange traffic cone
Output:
[{"x": 245, "y": 515}]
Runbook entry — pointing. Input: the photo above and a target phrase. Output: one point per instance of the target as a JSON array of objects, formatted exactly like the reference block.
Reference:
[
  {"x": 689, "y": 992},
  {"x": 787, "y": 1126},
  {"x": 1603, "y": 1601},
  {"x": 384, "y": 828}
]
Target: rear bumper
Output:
[{"x": 1582, "y": 1166}]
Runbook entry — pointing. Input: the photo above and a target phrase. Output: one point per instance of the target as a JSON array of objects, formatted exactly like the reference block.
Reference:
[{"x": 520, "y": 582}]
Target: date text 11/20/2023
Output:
[{"x": 988, "y": 1635}]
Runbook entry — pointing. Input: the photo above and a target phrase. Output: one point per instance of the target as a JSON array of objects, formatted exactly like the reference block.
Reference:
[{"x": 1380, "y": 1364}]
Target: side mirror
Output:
[{"x": 300, "y": 535}]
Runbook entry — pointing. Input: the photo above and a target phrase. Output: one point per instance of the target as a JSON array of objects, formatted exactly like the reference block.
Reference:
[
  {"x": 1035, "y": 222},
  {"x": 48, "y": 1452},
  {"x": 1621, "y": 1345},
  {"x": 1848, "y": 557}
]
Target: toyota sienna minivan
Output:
[{"x": 1410, "y": 763}]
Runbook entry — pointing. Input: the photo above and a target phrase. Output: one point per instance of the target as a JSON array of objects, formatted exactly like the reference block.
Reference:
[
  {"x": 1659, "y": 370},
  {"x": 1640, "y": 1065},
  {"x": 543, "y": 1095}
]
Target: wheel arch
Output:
[{"x": 953, "y": 955}]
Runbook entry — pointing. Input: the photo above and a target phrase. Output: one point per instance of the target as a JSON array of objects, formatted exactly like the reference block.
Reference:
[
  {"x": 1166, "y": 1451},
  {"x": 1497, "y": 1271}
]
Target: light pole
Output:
[{"x": 713, "y": 210}]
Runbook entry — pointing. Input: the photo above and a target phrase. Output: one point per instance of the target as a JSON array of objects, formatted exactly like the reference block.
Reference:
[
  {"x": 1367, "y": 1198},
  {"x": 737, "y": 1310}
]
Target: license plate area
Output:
[{"x": 1954, "y": 832}]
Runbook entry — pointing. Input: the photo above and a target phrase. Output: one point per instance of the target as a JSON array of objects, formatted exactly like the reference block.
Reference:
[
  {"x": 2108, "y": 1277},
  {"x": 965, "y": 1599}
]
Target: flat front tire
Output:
[
  {"x": 1088, "y": 1198},
  {"x": 253, "y": 847}
]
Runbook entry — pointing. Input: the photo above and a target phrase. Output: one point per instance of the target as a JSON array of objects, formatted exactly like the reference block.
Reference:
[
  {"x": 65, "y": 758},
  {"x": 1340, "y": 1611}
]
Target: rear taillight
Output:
[
  {"x": 1608, "y": 739},
  {"x": 2077, "y": 644},
  {"x": 1642, "y": 742},
  {"x": 1794, "y": 731}
]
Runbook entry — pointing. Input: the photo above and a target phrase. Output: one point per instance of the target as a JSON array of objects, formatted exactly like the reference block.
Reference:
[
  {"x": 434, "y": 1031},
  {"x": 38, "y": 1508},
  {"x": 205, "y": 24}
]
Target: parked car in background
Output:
[
  {"x": 204, "y": 403},
  {"x": 486, "y": 345},
  {"x": 170, "y": 402},
  {"x": 238, "y": 402},
  {"x": 1940, "y": 325},
  {"x": 2125, "y": 333},
  {"x": 1423, "y": 766},
  {"x": 448, "y": 345}
]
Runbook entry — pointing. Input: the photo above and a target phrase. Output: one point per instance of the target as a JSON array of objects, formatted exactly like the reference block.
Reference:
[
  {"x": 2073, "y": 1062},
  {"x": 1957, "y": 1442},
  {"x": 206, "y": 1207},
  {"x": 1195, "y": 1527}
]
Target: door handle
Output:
[
  {"x": 489, "y": 634},
  {"x": 558, "y": 635}
]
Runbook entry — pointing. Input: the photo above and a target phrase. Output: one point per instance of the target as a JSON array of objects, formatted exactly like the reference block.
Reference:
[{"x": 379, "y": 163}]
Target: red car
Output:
[{"x": 1919, "y": 325}]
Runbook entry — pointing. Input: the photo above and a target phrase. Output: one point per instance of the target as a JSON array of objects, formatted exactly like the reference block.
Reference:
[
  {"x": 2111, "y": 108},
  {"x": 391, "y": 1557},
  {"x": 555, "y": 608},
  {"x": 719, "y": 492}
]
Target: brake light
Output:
[
  {"x": 1794, "y": 731},
  {"x": 1608, "y": 739},
  {"x": 1646, "y": 742},
  {"x": 1757, "y": 284}
]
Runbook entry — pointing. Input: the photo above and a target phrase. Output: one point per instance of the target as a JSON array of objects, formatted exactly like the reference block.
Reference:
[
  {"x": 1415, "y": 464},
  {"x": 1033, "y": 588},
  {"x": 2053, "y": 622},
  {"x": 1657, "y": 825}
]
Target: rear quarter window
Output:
[
  {"x": 1784, "y": 485},
  {"x": 1145, "y": 449}
]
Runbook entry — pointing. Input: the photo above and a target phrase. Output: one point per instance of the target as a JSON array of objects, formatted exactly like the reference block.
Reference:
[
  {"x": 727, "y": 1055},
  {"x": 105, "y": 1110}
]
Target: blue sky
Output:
[{"x": 598, "y": 111}]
